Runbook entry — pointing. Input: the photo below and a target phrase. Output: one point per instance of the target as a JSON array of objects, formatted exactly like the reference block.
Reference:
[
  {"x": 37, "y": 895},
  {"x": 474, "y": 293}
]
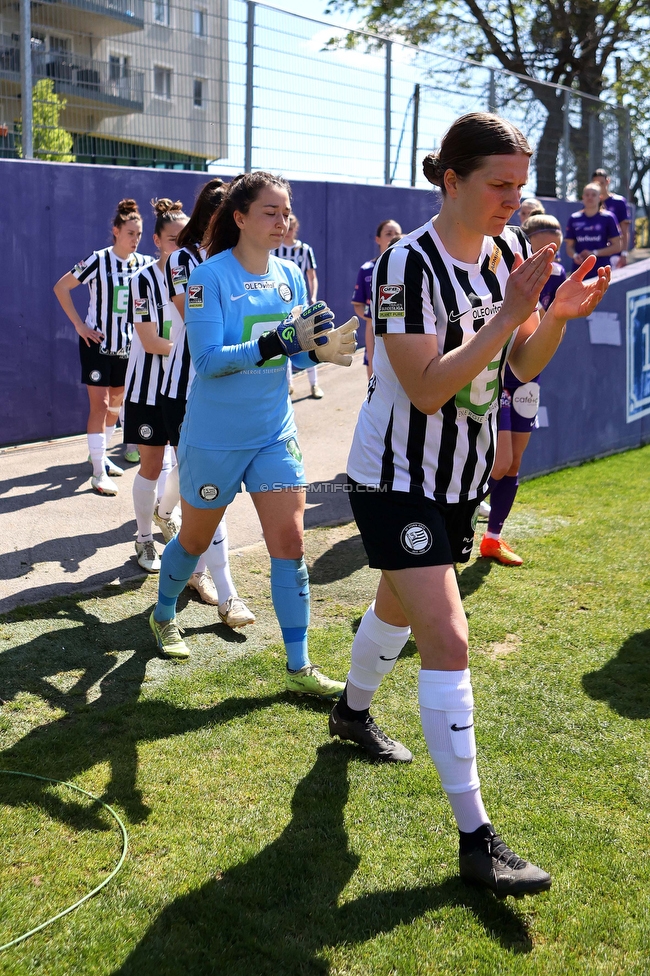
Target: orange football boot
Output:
[{"x": 499, "y": 550}]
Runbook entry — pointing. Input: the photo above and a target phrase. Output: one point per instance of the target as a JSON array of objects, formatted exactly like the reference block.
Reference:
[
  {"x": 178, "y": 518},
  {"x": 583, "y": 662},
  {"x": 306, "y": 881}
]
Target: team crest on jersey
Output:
[
  {"x": 141, "y": 306},
  {"x": 95, "y": 375},
  {"x": 285, "y": 292},
  {"x": 179, "y": 275},
  {"x": 208, "y": 492},
  {"x": 495, "y": 258},
  {"x": 145, "y": 431},
  {"x": 195, "y": 296},
  {"x": 391, "y": 302},
  {"x": 416, "y": 538}
]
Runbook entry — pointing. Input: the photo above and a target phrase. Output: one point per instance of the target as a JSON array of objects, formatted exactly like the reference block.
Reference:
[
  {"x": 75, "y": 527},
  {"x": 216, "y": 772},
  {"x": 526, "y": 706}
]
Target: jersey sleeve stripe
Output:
[
  {"x": 379, "y": 277},
  {"x": 89, "y": 272}
]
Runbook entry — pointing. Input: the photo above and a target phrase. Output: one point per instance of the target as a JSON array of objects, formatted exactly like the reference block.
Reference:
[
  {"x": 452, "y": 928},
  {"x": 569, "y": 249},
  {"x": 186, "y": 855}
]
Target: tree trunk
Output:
[{"x": 549, "y": 144}]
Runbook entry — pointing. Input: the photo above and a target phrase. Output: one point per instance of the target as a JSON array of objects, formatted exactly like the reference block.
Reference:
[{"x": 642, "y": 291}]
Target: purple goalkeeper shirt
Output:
[{"x": 592, "y": 233}]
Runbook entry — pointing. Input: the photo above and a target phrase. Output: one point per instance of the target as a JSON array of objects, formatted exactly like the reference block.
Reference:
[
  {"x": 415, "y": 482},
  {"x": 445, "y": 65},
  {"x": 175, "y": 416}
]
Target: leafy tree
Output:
[
  {"x": 50, "y": 140},
  {"x": 567, "y": 42}
]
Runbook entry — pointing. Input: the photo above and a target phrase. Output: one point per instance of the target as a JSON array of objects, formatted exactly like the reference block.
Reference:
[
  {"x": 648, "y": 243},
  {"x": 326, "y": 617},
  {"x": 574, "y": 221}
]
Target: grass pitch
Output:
[{"x": 258, "y": 846}]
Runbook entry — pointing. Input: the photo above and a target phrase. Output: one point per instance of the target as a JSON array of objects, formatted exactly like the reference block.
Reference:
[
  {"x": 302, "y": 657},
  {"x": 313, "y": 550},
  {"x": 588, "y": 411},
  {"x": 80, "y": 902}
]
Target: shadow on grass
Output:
[
  {"x": 65, "y": 749},
  {"x": 624, "y": 682},
  {"x": 340, "y": 561},
  {"x": 62, "y": 667},
  {"x": 474, "y": 576},
  {"x": 277, "y": 913}
]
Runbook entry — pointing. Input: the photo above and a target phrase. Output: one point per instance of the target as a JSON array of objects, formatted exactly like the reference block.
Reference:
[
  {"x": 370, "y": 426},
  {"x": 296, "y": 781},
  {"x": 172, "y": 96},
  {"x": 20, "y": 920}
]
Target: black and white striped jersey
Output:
[
  {"x": 148, "y": 302},
  {"x": 298, "y": 252},
  {"x": 108, "y": 278},
  {"x": 179, "y": 371},
  {"x": 418, "y": 288}
]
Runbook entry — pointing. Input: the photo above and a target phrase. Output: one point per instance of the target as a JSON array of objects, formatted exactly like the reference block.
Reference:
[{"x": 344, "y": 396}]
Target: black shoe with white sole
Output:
[
  {"x": 366, "y": 733},
  {"x": 485, "y": 859}
]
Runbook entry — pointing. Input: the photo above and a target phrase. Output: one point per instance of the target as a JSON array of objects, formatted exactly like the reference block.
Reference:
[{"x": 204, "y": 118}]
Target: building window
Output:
[
  {"x": 161, "y": 12},
  {"x": 162, "y": 82},
  {"x": 117, "y": 67},
  {"x": 201, "y": 23},
  {"x": 199, "y": 93}
]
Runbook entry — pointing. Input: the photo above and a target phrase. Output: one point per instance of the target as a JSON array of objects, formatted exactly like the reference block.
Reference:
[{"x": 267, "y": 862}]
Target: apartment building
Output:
[{"x": 145, "y": 81}]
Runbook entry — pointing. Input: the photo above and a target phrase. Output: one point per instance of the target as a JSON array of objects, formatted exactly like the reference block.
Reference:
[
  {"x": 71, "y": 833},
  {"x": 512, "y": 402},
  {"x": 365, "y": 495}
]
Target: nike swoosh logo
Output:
[
  {"x": 234, "y": 298},
  {"x": 465, "y": 551},
  {"x": 456, "y": 316},
  {"x": 382, "y": 658},
  {"x": 460, "y": 728},
  {"x": 306, "y": 593}
]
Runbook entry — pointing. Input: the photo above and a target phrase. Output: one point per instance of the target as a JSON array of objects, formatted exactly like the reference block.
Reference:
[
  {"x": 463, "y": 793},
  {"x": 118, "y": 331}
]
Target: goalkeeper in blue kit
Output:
[{"x": 245, "y": 314}]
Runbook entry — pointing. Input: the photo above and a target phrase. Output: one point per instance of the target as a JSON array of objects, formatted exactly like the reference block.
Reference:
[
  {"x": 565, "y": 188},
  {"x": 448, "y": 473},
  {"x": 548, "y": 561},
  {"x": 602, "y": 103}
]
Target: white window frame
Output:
[
  {"x": 202, "y": 14},
  {"x": 169, "y": 72},
  {"x": 166, "y": 18}
]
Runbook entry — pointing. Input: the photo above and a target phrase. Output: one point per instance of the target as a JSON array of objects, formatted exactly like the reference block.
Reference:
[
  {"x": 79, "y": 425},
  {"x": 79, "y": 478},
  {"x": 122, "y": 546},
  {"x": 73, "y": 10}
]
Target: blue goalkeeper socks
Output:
[
  {"x": 176, "y": 567},
  {"x": 290, "y": 595}
]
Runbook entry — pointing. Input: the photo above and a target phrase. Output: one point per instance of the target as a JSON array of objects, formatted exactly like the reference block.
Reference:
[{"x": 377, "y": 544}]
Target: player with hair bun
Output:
[
  {"x": 452, "y": 302},
  {"x": 105, "y": 336},
  {"x": 245, "y": 312}
]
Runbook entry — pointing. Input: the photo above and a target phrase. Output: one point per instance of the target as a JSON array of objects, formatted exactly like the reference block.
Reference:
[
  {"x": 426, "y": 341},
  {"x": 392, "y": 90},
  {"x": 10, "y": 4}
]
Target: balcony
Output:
[
  {"x": 86, "y": 84},
  {"x": 102, "y": 18}
]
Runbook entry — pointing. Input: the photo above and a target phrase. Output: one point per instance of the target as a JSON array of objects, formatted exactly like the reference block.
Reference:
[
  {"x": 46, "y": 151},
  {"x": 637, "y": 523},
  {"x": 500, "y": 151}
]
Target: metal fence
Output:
[{"x": 240, "y": 84}]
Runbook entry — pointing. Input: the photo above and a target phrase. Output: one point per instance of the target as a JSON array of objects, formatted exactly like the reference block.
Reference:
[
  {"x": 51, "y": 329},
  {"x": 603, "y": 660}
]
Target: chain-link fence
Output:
[{"x": 241, "y": 85}]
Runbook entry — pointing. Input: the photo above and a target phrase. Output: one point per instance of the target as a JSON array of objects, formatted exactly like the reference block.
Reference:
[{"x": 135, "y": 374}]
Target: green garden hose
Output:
[{"x": 125, "y": 844}]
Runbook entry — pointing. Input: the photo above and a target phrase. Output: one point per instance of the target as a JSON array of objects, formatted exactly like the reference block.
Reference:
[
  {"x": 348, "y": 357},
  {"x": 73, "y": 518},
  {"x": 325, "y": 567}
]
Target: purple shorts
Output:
[{"x": 518, "y": 408}]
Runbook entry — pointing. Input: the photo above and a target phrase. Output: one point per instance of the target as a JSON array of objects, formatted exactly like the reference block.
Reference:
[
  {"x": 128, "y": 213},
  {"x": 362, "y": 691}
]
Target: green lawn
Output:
[{"x": 259, "y": 846}]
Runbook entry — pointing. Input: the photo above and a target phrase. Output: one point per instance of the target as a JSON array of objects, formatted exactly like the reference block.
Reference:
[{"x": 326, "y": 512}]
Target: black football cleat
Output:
[{"x": 485, "y": 859}]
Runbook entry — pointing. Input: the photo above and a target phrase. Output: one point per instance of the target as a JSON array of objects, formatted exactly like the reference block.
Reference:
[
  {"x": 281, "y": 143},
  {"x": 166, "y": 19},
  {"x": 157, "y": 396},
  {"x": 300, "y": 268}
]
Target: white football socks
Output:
[
  {"x": 375, "y": 650},
  {"x": 144, "y": 502},
  {"x": 96, "y": 450},
  {"x": 216, "y": 558},
  {"x": 170, "y": 496},
  {"x": 447, "y": 716},
  {"x": 169, "y": 462}
]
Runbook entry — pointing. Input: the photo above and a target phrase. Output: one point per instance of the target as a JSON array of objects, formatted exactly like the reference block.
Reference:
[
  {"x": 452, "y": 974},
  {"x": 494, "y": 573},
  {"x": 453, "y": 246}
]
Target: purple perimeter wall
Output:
[{"x": 57, "y": 213}]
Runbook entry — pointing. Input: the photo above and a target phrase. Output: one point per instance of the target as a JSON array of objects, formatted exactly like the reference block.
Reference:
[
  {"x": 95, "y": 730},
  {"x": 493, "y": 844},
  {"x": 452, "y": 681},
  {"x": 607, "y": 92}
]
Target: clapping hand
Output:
[{"x": 577, "y": 298}]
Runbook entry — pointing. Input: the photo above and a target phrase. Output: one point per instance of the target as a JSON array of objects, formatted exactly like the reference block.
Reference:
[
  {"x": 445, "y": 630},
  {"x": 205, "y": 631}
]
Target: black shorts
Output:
[
  {"x": 174, "y": 413},
  {"x": 144, "y": 424},
  {"x": 98, "y": 369},
  {"x": 400, "y": 530}
]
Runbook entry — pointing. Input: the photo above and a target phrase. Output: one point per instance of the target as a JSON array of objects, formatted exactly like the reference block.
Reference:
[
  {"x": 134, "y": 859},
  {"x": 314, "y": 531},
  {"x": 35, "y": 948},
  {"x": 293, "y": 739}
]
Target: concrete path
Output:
[{"x": 57, "y": 536}]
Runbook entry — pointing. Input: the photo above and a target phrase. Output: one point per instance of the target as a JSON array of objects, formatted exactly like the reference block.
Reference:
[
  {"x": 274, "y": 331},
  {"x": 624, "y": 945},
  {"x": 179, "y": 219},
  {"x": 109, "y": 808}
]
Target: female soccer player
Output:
[
  {"x": 592, "y": 230},
  {"x": 452, "y": 302},
  {"x": 242, "y": 322},
  {"x": 518, "y": 409},
  {"x": 152, "y": 316},
  {"x": 105, "y": 336},
  {"x": 529, "y": 207},
  {"x": 387, "y": 232},
  {"x": 211, "y": 579}
]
